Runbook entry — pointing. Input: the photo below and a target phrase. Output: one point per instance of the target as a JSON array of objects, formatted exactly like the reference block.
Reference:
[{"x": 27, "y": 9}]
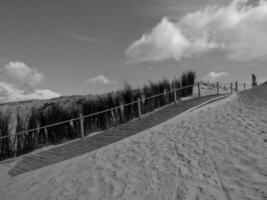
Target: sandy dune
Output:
[{"x": 215, "y": 152}]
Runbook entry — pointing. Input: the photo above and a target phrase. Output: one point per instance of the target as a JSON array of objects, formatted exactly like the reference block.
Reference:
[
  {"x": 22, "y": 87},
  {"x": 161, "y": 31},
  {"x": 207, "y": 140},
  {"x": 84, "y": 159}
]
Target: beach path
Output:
[{"x": 67, "y": 151}]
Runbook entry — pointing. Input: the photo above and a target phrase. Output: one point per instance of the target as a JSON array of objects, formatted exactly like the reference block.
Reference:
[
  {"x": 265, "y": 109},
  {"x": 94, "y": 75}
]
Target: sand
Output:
[{"x": 218, "y": 151}]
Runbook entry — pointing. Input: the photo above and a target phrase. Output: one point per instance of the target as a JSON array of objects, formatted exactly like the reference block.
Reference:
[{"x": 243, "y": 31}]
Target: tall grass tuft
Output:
[
  {"x": 5, "y": 143},
  {"x": 187, "y": 79}
]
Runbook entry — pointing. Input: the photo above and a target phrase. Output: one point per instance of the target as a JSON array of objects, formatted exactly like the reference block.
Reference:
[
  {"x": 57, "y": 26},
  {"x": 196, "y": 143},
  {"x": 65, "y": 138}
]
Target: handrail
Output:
[
  {"x": 96, "y": 113},
  {"x": 89, "y": 115}
]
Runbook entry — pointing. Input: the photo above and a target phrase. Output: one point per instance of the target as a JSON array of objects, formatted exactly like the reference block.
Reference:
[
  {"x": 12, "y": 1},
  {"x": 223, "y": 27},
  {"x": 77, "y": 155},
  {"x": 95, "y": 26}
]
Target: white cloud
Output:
[
  {"x": 22, "y": 74},
  {"x": 44, "y": 94},
  {"x": 214, "y": 76},
  {"x": 18, "y": 81},
  {"x": 82, "y": 38},
  {"x": 166, "y": 40},
  {"x": 239, "y": 29},
  {"x": 9, "y": 93},
  {"x": 102, "y": 80}
]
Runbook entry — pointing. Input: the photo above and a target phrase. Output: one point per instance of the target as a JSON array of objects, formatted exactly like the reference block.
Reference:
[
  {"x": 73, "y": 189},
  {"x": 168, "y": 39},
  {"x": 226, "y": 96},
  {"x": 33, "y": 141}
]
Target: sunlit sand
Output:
[{"x": 218, "y": 151}]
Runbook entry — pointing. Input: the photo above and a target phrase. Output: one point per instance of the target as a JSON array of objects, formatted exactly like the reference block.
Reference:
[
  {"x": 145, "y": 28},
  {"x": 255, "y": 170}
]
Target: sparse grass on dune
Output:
[{"x": 33, "y": 114}]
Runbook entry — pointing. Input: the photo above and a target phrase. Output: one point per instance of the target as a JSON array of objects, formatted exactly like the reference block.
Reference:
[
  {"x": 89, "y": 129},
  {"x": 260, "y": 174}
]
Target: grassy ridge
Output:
[{"x": 67, "y": 108}]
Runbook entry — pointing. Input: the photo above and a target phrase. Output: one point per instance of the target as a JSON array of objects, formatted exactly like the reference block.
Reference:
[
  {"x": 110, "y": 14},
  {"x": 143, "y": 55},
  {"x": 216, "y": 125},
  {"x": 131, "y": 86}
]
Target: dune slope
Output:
[{"x": 215, "y": 152}]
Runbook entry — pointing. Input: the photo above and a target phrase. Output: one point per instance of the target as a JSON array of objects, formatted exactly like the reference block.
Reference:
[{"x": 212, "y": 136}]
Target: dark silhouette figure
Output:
[{"x": 254, "y": 81}]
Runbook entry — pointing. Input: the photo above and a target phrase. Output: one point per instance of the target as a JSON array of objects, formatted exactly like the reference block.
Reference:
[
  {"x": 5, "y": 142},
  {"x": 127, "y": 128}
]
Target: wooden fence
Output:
[{"x": 28, "y": 140}]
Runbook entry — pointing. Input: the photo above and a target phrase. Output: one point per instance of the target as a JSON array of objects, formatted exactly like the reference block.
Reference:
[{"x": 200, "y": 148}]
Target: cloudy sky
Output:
[{"x": 64, "y": 47}]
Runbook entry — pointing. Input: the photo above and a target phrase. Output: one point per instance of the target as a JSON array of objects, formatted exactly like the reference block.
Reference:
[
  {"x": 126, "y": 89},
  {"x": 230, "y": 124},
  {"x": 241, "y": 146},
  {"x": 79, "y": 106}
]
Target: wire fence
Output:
[{"x": 83, "y": 125}]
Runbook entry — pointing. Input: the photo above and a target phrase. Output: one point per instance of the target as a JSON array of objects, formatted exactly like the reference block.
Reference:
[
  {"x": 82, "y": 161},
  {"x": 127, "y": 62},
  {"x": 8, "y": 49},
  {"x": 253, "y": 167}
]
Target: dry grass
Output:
[{"x": 19, "y": 117}]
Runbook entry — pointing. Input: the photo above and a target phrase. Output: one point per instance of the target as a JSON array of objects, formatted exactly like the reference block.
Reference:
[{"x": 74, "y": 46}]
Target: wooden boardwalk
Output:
[{"x": 69, "y": 150}]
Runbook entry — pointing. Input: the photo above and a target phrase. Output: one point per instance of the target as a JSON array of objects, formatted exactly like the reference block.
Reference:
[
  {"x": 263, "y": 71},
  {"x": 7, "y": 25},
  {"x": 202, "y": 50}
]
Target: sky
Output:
[{"x": 64, "y": 47}]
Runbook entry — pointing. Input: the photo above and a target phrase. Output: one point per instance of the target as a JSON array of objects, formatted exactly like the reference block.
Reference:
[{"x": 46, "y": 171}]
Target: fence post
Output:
[
  {"x": 198, "y": 87},
  {"x": 231, "y": 87},
  {"x": 244, "y": 86},
  {"x": 174, "y": 93},
  {"x": 139, "y": 107},
  {"x": 16, "y": 145},
  {"x": 46, "y": 134},
  {"x": 82, "y": 127},
  {"x": 165, "y": 95},
  {"x": 217, "y": 87},
  {"x": 236, "y": 86}
]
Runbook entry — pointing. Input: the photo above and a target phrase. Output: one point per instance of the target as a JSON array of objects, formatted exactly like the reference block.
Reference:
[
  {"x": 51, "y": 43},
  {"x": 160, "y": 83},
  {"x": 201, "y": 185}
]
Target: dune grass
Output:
[{"x": 68, "y": 108}]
